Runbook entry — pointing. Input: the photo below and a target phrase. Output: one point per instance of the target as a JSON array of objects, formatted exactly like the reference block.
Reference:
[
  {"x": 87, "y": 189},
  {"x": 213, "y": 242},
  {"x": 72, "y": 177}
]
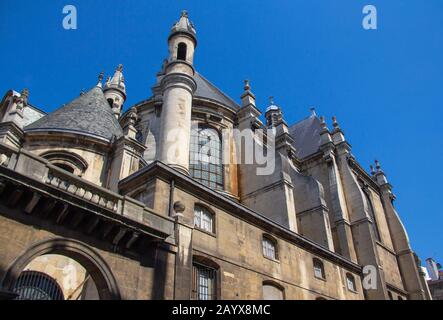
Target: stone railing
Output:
[
  {"x": 32, "y": 166},
  {"x": 6, "y": 154},
  {"x": 83, "y": 189}
]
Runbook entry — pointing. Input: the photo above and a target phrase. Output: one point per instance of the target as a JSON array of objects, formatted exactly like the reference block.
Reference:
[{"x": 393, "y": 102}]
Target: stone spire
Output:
[
  {"x": 247, "y": 98},
  {"x": 379, "y": 174},
  {"x": 184, "y": 26},
  {"x": 337, "y": 134},
  {"x": 117, "y": 82},
  {"x": 115, "y": 91},
  {"x": 325, "y": 135}
]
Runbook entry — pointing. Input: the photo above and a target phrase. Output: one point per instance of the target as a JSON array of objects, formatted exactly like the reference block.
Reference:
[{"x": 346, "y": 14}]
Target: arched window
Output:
[
  {"x": 204, "y": 279},
  {"x": 33, "y": 285},
  {"x": 68, "y": 161},
  {"x": 273, "y": 291},
  {"x": 111, "y": 102},
  {"x": 206, "y": 157},
  {"x": 204, "y": 219},
  {"x": 270, "y": 249},
  {"x": 350, "y": 282},
  {"x": 181, "y": 51},
  {"x": 319, "y": 270}
]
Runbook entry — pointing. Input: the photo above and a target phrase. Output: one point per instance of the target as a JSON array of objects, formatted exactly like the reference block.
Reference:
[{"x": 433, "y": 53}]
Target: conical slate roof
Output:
[
  {"x": 207, "y": 90},
  {"x": 89, "y": 114}
]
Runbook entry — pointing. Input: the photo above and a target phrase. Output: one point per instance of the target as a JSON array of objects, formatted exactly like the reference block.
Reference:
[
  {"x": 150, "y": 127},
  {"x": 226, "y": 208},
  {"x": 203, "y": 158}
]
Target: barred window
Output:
[
  {"x": 350, "y": 281},
  {"x": 269, "y": 248},
  {"x": 206, "y": 157},
  {"x": 203, "y": 219},
  {"x": 319, "y": 270},
  {"x": 203, "y": 284},
  {"x": 33, "y": 285}
]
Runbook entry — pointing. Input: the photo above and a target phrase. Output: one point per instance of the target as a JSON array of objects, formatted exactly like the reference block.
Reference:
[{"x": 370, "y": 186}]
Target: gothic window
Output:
[
  {"x": 319, "y": 270},
  {"x": 269, "y": 247},
  {"x": 350, "y": 282},
  {"x": 206, "y": 157},
  {"x": 203, "y": 219},
  {"x": 33, "y": 285},
  {"x": 203, "y": 282},
  {"x": 272, "y": 291},
  {"x": 181, "y": 51}
]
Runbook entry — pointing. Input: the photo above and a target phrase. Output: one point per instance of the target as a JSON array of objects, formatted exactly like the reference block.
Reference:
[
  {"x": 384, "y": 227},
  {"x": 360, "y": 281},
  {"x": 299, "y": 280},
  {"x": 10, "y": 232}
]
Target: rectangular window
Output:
[
  {"x": 203, "y": 219},
  {"x": 203, "y": 286},
  {"x": 269, "y": 249}
]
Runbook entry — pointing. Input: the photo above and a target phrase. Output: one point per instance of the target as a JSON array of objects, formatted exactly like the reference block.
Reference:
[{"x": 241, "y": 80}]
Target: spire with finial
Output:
[
  {"x": 324, "y": 127},
  {"x": 115, "y": 91},
  {"x": 313, "y": 113},
  {"x": 325, "y": 136},
  {"x": 335, "y": 123},
  {"x": 337, "y": 134},
  {"x": 377, "y": 165},
  {"x": 183, "y": 25},
  {"x": 380, "y": 175},
  {"x": 117, "y": 82},
  {"x": 247, "y": 98},
  {"x": 100, "y": 79},
  {"x": 247, "y": 85},
  {"x": 371, "y": 167},
  {"x": 273, "y": 114},
  {"x": 272, "y": 106}
]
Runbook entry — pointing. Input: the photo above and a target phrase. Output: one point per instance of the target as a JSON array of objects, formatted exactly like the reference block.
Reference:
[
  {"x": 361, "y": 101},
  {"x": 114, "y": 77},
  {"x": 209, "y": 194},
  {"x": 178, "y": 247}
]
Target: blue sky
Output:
[{"x": 384, "y": 85}]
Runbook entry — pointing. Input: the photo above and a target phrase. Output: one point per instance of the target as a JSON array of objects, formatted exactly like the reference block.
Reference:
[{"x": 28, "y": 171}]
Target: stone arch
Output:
[{"x": 95, "y": 265}]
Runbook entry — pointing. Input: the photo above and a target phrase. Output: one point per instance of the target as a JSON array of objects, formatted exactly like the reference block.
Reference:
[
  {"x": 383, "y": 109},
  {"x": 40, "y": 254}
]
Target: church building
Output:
[{"x": 191, "y": 194}]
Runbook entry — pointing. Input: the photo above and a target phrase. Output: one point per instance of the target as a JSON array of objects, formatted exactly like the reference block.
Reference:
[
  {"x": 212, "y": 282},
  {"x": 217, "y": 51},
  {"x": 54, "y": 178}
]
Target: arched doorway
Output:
[{"x": 95, "y": 267}]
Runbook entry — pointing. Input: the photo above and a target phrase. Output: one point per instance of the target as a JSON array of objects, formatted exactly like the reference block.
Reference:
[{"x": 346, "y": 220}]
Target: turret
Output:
[
  {"x": 115, "y": 91},
  {"x": 273, "y": 114},
  {"x": 177, "y": 88}
]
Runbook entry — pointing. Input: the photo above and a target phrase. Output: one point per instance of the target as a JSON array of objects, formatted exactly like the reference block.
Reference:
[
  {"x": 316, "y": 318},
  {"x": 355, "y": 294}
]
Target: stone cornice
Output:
[
  {"x": 179, "y": 80},
  {"x": 166, "y": 173}
]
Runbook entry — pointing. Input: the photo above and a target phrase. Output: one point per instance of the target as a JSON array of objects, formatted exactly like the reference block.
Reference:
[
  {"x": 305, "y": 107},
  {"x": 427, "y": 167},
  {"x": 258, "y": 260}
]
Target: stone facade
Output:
[{"x": 100, "y": 204}]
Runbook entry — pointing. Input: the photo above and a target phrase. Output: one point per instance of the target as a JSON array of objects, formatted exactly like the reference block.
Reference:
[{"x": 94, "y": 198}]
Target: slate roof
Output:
[
  {"x": 207, "y": 90},
  {"x": 306, "y": 134},
  {"x": 88, "y": 114}
]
